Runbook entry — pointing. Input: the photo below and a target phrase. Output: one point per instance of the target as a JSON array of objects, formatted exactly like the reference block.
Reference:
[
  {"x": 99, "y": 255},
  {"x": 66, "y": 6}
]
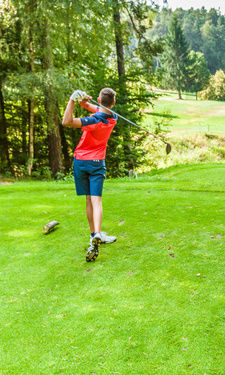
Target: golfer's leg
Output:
[
  {"x": 97, "y": 212},
  {"x": 89, "y": 213}
]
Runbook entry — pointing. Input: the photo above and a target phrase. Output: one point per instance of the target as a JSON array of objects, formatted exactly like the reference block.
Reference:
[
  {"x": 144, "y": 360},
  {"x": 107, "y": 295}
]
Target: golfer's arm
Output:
[
  {"x": 90, "y": 107},
  {"x": 68, "y": 119}
]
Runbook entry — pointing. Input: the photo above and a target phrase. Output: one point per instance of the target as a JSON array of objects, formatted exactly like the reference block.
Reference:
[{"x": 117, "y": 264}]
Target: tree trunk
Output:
[
  {"x": 24, "y": 131},
  {"x": 67, "y": 158},
  {"x": 179, "y": 94},
  {"x": 118, "y": 38},
  {"x": 122, "y": 78},
  {"x": 4, "y": 148},
  {"x": 31, "y": 113},
  {"x": 65, "y": 147},
  {"x": 68, "y": 31},
  {"x": 54, "y": 140},
  {"x": 31, "y": 138}
]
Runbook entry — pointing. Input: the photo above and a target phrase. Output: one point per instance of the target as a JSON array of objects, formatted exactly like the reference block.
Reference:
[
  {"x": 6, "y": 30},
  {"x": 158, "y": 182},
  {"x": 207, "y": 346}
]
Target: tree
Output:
[
  {"x": 4, "y": 148},
  {"x": 191, "y": 26},
  {"x": 216, "y": 88},
  {"x": 175, "y": 58},
  {"x": 204, "y": 32},
  {"x": 30, "y": 10},
  {"x": 118, "y": 39},
  {"x": 51, "y": 107},
  {"x": 199, "y": 72},
  {"x": 7, "y": 64},
  {"x": 128, "y": 22}
]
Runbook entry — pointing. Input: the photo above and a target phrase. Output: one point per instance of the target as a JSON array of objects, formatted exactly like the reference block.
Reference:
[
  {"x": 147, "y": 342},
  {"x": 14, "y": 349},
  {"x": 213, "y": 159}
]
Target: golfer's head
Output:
[{"x": 107, "y": 97}]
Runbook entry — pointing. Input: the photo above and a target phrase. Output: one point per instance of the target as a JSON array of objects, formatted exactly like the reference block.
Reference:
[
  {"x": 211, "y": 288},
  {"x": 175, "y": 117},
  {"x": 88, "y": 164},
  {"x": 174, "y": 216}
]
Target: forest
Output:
[{"x": 51, "y": 48}]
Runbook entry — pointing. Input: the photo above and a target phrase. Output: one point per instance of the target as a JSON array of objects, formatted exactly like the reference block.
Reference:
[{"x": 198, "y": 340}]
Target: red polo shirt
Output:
[{"x": 96, "y": 129}]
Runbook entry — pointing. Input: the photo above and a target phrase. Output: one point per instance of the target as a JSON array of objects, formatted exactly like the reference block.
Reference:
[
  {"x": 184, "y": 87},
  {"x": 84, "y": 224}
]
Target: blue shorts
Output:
[{"x": 89, "y": 176}]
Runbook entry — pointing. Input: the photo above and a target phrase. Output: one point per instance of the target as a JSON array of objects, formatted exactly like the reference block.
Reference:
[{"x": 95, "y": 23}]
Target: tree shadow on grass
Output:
[{"x": 166, "y": 115}]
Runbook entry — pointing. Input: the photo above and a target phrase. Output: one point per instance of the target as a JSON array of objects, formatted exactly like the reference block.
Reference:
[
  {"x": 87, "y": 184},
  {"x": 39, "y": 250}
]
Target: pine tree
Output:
[
  {"x": 175, "y": 58},
  {"x": 200, "y": 72}
]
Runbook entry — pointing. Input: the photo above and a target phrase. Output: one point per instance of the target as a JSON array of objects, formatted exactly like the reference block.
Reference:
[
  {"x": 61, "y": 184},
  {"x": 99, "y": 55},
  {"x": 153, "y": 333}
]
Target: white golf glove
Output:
[{"x": 78, "y": 95}]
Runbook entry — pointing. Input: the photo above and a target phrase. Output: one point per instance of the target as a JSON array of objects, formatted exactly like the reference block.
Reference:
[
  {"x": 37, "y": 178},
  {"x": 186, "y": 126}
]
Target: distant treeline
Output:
[{"x": 204, "y": 31}]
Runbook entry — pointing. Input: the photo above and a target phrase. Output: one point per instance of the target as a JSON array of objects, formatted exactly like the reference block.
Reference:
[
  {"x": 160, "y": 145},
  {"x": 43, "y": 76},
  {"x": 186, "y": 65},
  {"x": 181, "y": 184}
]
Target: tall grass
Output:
[{"x": 196, "y": 148}]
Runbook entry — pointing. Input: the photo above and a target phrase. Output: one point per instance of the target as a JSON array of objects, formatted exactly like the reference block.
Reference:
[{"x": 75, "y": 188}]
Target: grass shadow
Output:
[{"x": 166, "y": 115}]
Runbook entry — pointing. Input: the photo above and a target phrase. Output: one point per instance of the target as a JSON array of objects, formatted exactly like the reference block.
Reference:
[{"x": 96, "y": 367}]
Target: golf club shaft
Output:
[
  {"x": 124, "y": 118},
  {"x": 131, "y": 122}
]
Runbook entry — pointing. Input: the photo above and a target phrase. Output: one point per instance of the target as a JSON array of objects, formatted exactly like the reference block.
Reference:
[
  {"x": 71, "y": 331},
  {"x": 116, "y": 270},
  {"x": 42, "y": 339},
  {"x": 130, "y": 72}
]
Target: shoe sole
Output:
[
  {"x": 92, "y": 255},
  {"x": 96, "y": 242}
]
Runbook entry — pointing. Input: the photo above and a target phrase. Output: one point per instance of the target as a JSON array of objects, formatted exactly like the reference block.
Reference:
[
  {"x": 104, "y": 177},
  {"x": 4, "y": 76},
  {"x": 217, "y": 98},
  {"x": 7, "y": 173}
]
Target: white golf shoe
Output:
[
  {"x": 104, "y": 238},
  {"x": 107, "y": 239}
]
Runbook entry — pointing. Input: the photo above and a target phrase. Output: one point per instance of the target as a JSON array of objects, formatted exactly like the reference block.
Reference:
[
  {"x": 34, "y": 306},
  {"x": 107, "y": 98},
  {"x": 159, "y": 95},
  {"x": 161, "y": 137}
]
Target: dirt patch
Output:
[
  {"x": 217, "y": 112},
  {"x": 5, "y": 183}
]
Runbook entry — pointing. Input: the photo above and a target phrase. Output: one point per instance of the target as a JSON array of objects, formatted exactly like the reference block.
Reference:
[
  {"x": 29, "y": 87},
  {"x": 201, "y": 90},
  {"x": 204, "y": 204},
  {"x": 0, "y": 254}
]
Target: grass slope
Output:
[
  {"x": 152, "y": 303},
  {"x": 190, "y": 116}
]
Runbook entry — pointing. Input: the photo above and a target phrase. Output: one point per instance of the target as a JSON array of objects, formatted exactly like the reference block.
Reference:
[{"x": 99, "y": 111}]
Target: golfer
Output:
[{"x": 89, "y": 159}]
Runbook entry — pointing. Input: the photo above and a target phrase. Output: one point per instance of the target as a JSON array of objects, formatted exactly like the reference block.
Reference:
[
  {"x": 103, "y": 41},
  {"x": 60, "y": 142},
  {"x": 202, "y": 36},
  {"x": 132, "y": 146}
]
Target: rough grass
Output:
[
  {"x": 152, "y": 303},
  {"x": 190, "y": 149}
]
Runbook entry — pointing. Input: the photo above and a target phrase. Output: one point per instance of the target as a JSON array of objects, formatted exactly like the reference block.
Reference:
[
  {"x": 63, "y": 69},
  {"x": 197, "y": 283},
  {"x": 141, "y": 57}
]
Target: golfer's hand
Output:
[
  {"x": 77, "y": 95},
  {"x": 85, "y": 98}
]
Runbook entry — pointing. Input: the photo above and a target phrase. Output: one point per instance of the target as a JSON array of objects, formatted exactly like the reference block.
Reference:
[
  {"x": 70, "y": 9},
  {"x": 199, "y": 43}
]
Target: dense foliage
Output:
[
  {"x": 204, "y": 31},
  {"x": 50, "y": 48}
]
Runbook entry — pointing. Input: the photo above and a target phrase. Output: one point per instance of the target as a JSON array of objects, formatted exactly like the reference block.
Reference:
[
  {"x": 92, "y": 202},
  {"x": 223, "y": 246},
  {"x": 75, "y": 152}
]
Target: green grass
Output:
[
  {"x": 140, "y": 308},
  {"x": 190, "y": 116}
]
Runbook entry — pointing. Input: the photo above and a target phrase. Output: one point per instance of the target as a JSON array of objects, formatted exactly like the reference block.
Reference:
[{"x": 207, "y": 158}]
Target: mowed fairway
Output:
[
  {"x": 189, "y": 116},
  {"x": 152, "y": 303}
]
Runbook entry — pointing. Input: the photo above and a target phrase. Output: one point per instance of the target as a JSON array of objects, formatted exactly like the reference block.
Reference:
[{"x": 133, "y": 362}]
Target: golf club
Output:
[{"x": 168, "y": 145}]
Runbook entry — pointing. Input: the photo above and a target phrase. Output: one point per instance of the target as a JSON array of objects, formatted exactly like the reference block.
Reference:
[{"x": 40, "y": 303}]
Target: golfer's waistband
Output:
[{"x": 77, "y": 158}]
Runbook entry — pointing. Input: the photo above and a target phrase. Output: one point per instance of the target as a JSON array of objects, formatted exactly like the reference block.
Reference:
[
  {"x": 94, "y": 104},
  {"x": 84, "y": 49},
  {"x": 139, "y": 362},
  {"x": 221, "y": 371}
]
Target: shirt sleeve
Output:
[{"x": 90, "y": 123}]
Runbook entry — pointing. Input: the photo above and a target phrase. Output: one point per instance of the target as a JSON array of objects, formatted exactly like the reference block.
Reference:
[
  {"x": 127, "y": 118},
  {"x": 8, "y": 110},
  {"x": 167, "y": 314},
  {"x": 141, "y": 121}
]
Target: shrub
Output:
[{"x": 216, "y": 88}]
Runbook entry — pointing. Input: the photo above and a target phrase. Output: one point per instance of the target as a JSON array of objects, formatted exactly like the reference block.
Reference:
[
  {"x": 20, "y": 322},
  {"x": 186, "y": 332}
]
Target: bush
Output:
[{"x": 216, "y": 88}]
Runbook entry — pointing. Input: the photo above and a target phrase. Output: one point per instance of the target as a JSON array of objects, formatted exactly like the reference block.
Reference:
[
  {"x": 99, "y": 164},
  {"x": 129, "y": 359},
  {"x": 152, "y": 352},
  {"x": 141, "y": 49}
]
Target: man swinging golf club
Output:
[{"x": 89, "y": 158}]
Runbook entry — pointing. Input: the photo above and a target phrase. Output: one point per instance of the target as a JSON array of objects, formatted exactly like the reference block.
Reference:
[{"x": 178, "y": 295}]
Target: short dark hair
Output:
[{"x": 107, "y": 96}]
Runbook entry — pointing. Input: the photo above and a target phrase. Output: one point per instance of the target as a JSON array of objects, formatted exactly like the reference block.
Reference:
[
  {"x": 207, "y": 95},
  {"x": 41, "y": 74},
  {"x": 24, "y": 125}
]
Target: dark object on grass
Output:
[
  {"x": 168, "y": 145},
  {"x": 49, "y": 227},
  {"x": 168, "y": 148}
]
